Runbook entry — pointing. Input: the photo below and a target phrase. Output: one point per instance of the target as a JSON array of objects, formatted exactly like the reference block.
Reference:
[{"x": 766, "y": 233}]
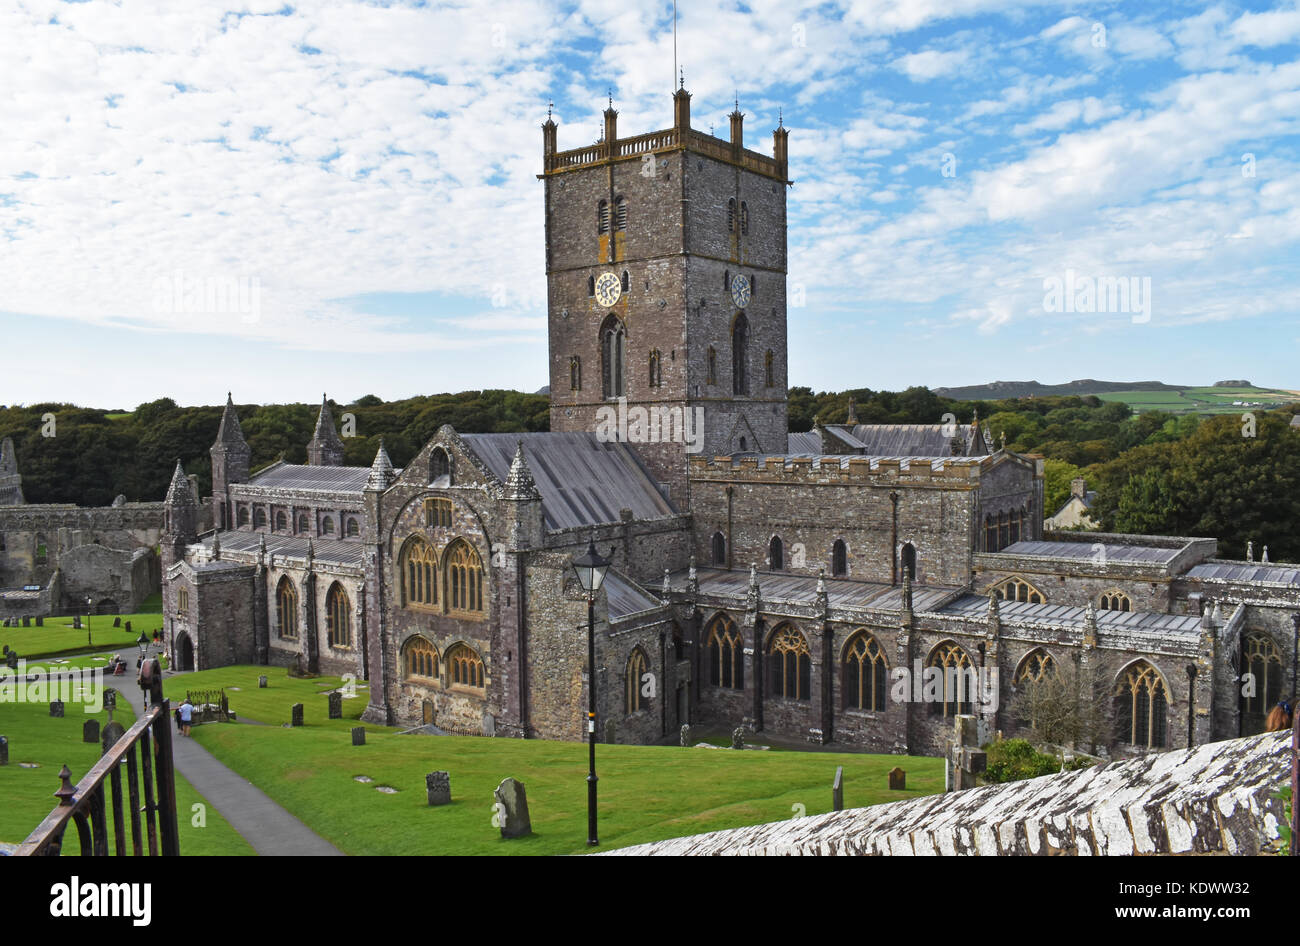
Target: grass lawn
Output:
[
  {"x": 59, "y": 637},
  {"x": 34, "y": 736},
  {"x": 647, "y": 793}
]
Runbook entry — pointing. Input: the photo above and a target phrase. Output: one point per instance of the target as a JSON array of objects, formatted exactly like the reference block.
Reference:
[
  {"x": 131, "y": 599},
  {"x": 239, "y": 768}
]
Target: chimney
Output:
[
  {"x": 681, "y": 111},
  {"x": 780, "y": 148},
  {"x": 1078, "y": 487}
]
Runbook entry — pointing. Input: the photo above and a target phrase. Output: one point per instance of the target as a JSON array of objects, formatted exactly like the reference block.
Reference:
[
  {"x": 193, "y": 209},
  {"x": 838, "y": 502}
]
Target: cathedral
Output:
[{"x": 786, "y": 583}]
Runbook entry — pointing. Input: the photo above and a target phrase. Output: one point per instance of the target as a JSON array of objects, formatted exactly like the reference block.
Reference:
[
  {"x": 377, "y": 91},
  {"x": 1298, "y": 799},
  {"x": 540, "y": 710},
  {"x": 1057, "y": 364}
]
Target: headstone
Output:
[
  {"x": 5, "y": 651},
  {"x": 111, "y": 734},
  {"x": 837, "y": 790},
  {"x": 27, "y": 622},
  {"x": 897, "y": 779},
  {"x": 686, "y": 734},
  {"x": 40, "y": 622},
  {"x": 117, "y": 622},
  {"x": 611, "y": 732},
  {"x": 358, "y": 735},
  {"x": 297, "y": 715},
  {"x": 127, "y": 628},
  {"x": 110, "y": 698},
  {"x": 56, "y": 709},
  {"x": 512, "y": 808},
  {"x": 13, "y": 660},
  {"x": 261, "y": 682},
  {"x": 439, "y": 787},
  {"x": 336, "y": 705},
  {"x": 738, "y": 737},
  {"x": 76, "y": 622},
  {"x": 90, "y": 731},
  {"x": 966, "y": 760},
  {"x": 4, "y": 751}
]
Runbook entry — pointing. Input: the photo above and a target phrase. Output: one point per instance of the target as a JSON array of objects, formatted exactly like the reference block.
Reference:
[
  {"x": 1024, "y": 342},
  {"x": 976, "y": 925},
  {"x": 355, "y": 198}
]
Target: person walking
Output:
[{"x": 187, "y": 716}]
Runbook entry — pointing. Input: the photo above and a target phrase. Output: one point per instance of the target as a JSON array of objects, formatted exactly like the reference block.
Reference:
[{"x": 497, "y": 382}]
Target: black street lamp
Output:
[
  {"x": 590, "y": 569},
  {"x": 143, "y": 643},
  {"x": 90, "y": 603}
]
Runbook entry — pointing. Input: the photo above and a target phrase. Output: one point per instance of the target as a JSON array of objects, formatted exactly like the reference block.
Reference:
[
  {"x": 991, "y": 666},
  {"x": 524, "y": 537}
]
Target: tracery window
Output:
[
  {"x": 726, "y": 654},
  {"x": 959, "y": 684},
  {"x": 1115, "y": 601},
  {"x": 420, "y": 660},
  {"x": 338, "y": 617},
  {"x": 419, "y": 570},
  {"x": 1017, "y": 589},
  {"x": 1261, "y": 660},
  {"x": 286, "y": 609},
  {"x": 465, "y": 667},
  {"x": 1141, "y": 706},
  {"x": 1036, "y": 666},
  {"x": 636, "y": 670},
  {"x": 613, "y": 341},
  {"x": 790, "y": 664},
  {"x": 437, "y": 513},
  {"x": 464, "y": 579},
  {"x": 182, "y": 602},
  {"x": 865, "y": 673}
]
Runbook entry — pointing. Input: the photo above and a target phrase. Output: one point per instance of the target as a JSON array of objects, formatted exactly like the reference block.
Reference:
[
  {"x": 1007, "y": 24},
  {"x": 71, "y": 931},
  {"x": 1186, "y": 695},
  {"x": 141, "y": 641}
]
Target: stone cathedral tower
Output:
[{"x": 666, "y": 272}]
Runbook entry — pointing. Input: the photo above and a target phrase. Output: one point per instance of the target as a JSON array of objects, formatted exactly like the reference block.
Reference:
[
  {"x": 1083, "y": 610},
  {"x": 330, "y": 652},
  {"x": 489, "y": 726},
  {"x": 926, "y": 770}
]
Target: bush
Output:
[{"x": 1011, "y": 760}]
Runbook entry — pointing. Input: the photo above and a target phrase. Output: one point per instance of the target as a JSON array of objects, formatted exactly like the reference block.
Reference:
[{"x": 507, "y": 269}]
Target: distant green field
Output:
[{"x": 1206, "y": 400}]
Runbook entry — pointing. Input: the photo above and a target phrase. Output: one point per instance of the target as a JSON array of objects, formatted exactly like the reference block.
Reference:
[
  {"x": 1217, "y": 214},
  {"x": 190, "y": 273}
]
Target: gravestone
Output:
[
  {"x": 897, "y": 779},
  {"x": 686, "y": 734},
  {"x": 110, "y": 699},
  {"x": 56, "y": 709},
  {"x": 965, "y": 759},
  {"x": 76, "y": 622},
  {"x": 13, "y": 660},
  {"x": 27, "y": 622},
  {"x": 512, "y": 808},
  {"x": 296, "y": 719},
  {"x": 336, "y": 705},
  {"x": 261, "y": 682},
  {"x": 438, "y": 785},
  {"x": 111, "y": 734},
  {"x": 4, "y": 751},
  {"x": 611, "y": 732},
  {"x": 358, "y": 735},
  {"x": 6, "y": 624},
  {"x": 128, "y": 627},
  {"x": 40, "y": 622},
  {"x": 117, "y": 622},
  {"x": 738, "y": 737},
  {"x": 837, "y": 790},
  {"x": 90, "y": 731},
  {"x": 5, "y": 651}
]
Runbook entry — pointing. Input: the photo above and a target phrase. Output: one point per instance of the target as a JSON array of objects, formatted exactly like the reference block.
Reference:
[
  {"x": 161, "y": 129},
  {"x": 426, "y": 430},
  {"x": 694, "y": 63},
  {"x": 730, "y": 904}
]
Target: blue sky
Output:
[{"x": 279, "y": 199}]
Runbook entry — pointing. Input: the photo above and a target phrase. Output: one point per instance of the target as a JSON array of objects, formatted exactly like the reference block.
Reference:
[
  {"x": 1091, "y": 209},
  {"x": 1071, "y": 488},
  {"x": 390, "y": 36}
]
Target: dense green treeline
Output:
[{"x": 1154, "y": 473}]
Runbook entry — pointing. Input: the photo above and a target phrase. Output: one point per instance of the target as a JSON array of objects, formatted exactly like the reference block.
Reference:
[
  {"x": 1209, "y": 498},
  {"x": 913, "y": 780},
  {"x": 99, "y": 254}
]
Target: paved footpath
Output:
[{"x": 259, "y": 820}]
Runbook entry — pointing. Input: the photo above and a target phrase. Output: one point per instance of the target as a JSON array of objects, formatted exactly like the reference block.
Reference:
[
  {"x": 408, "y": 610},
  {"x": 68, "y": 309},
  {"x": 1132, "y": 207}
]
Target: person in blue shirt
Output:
[{"x": 187, "y": 716}]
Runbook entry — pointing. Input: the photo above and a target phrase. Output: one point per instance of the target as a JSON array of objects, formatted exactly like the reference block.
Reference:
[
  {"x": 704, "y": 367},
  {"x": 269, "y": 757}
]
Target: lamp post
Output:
[
  {"x": 90, "y": 603},
  {"x": 143, "y": 643},
  {"x": 590, "y": 569}
]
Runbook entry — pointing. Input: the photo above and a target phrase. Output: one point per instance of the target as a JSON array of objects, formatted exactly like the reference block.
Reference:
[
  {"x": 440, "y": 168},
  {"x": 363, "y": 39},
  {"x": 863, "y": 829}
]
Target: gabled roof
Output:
[
  {"x": 331, "y": 479},
  {"x": 582, "y": 480},
  {"x": 1157, "y": 555},
  {"x": 918, "y": 440}
]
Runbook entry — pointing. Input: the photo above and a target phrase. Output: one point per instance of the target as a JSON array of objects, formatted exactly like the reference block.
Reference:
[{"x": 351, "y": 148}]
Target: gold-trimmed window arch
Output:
[
  {"x": 464, "y": 577},
  {"x": 418, "y": 567},
  {"x": 338, "y": 617},
  {"x": 1114, "y": 600},
  {"x": 1016, "y": 588},
  {"x": 286, "y": 608},
  {"x": 790, "y": 663},
  {"x": 1142, "y": 706},
  {"x": 637, "y": 666},
  {"x": 958, "y": 684},
  {"x": 726, "y": 654},
  {"x": 465, "y": 667},
  {"x": 1034, "y": 667},
  {"x": 1262, "y": 660},
  {"x": 865, "y": 673},
  {"x": 420, "y": 660}
]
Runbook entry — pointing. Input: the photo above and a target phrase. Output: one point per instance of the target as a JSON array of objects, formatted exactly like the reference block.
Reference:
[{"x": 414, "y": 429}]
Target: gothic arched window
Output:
[
  {"x": 464, "y": 579},
  {"x": 420, "y": 660},
  {"x": 744, "y": 217},
  {"x": 656, "y": 377},
  {"x": 304, "y": 524},
  {"x": 719, "y": 549},
  {"x": 286, "y": 609},
  {"x": 327, "y": 526},
  {"x": 627, "y": 281},
  {"x": 1141, "y": 706},
  {"x": 909, "y": 560},
  {"x": 338, "y": 617},
  {"x": 1115, "y": 601},
  {"x": 865, "y": 672},
  {"x": 439, "y": 465},
  {"x": 839, "y": 558},
  {"x": 636, "y": 670},
  {"x": 726, "y": 654},
  {"x": 242, "y": 518},
  {"x": 1017, "y": 589},
  {"x": 740, "y": 355},
  {"x": 613, "y": 343},
  {"x": 259, "y": 517},
  {"x": 353, "y": 528},
  {"x": 465, "y": 667},
  {"x": 1261, "y": 666},
  {"x": 959, "y": 683},
  {"x": 790, "y": 664},
  {"x": 591, "y": 285},
  {"x": 281, "y": 521},
  {"x": 418, "y": 567},
  {"x": 1035, "y": 666},
  {"x": 776, "y": 554}
]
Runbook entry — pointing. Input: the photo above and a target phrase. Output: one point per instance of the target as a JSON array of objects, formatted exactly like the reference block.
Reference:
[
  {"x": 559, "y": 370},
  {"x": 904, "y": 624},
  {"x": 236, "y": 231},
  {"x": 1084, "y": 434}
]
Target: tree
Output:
[{"x": 1071, "y": 704}]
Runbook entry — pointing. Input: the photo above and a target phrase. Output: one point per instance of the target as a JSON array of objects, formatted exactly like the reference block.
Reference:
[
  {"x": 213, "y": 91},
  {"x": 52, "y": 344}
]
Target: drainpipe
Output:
[
  {"x": 893, "y": 541},
  {"x": 1191, "y": 705}
]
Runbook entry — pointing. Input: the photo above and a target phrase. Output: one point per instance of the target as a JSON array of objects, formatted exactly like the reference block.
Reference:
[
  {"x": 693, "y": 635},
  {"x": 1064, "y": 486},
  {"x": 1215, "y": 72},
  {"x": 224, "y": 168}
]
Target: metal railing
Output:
[{"x": 146, "y": 751}]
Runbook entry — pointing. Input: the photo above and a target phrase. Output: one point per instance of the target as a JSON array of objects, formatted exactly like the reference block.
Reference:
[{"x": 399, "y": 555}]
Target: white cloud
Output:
[{"x": 930, "y": 64}]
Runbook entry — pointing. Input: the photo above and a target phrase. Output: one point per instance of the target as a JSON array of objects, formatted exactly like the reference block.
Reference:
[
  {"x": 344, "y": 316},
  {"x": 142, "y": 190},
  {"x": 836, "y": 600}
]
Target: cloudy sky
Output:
[{"x": 283, "y": 199}]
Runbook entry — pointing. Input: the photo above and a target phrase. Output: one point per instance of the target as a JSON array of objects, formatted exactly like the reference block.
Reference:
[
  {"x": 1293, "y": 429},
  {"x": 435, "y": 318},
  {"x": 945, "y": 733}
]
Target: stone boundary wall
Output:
[{"x": 1213, "y": 799}]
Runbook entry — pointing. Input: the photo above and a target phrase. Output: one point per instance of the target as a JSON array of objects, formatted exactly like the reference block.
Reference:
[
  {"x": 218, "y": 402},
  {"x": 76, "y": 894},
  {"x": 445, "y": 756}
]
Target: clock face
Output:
[
  {"x": 740, "y": 291},
  {"x": 609, "y": 289}
]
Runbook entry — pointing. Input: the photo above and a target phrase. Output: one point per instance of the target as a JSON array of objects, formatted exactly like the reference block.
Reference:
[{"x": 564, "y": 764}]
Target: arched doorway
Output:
[
  {"x": 107, "y": 606},
  {"x": 184, "y": 652}
]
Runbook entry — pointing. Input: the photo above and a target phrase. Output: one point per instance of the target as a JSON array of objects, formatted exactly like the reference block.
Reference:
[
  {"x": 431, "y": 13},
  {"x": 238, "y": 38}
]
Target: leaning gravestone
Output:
[
  {"x": 4, "y": 751},
  {"x": 297, "y": 715},
  {"x": 261, "y": 682},
  {"x": 359, "y": 735},
  {"x": 112, "y": 733},
  {"x": 438, "y": 785},
  {"x": 90, "y": 731},
  {"x": 738, "y": 737},
  {"x": 512, "y": 808},
  {"x": 686, "y": 734},
  {"x": 336, "y": 705},
  {"x": 56, "y": 709},
  {"x": 897, "y": 779},
  {"x": 13, "y": 660}
]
